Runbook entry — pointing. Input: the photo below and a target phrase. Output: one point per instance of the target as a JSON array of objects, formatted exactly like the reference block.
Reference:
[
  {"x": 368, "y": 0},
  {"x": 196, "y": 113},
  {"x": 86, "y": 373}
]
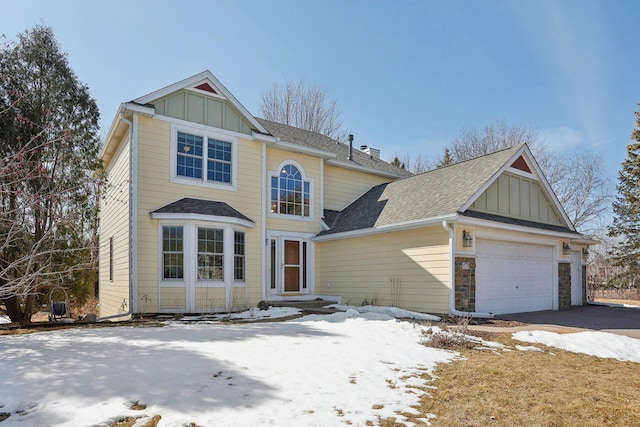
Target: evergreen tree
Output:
[
  {"x": 49, "y": 155},
  {"x": 626, "y": 209},
  {"x": 397, "y": 163},
  {"x": 447, "y": 159}
]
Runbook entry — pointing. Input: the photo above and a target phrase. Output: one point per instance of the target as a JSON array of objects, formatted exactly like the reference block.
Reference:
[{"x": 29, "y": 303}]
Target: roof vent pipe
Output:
[{"x": 350, "y": 146}]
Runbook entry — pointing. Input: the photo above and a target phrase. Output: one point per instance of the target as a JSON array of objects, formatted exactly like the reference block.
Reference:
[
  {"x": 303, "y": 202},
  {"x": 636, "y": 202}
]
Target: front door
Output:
[
  {"x": 289, "y": 265},
  {"x": 292, "y": 265}
]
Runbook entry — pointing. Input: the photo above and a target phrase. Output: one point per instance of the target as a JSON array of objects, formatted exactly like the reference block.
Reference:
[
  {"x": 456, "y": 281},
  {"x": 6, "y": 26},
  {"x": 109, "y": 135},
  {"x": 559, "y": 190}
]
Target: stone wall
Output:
[
  {"x": 465, "y": 284},
  {"x": 564, "y": 285}
]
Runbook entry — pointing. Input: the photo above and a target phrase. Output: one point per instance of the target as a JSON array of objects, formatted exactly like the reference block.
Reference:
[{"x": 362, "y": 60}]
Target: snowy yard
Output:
[{"x": 326, "y": 370}]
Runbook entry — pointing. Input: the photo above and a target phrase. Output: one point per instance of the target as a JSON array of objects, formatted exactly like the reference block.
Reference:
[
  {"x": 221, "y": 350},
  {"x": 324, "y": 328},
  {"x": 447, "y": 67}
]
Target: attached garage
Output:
[{"x": 513, "y": 277}]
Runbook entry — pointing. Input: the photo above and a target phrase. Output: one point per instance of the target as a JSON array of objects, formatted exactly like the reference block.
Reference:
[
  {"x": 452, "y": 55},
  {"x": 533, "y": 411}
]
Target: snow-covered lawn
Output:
[
  {"x": 351, "y": 367},
  {"x": 313, "y": 371}
]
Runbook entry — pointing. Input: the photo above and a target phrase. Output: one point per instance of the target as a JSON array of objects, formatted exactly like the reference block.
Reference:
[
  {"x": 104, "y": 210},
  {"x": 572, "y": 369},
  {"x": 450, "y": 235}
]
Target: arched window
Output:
[{"x": 290, "y": 192}]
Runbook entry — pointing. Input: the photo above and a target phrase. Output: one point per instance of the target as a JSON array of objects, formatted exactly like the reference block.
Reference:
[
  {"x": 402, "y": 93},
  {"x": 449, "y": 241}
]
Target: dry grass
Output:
[
  {"x": 552, "y": 388},
  {"x": 618, "y": 301}
]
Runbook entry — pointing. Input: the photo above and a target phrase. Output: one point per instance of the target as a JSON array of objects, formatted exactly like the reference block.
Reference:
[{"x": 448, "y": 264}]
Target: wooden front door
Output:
[{"x": 292, "y": 265}]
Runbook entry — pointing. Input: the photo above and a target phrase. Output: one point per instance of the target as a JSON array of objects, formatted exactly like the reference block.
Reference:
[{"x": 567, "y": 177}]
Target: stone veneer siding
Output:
[
  {"x": 465, "y": 284},
  {"x": 564, "y": 285}
]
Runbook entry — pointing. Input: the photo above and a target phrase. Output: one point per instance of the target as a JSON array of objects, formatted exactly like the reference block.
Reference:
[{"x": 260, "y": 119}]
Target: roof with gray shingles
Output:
[
  {"x": 188, "y": 205},
  {"x": 436, "y": 193},
  {"x": 315, "y": 140},
  {"x": 516, "y": 221}
]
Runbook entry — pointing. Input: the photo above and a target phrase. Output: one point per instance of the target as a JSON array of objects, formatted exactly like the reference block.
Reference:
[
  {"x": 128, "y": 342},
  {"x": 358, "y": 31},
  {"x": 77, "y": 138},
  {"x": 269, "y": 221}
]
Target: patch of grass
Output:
[
  {"x": 550, "y": 388},
  {"x": 131, "y": 421},
  {"x": 618, "y": 301}
]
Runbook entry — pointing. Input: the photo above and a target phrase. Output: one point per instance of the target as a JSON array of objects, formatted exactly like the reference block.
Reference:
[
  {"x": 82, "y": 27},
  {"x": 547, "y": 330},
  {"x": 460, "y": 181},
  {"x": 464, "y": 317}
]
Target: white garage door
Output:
[{"x": 513, "y": 277}]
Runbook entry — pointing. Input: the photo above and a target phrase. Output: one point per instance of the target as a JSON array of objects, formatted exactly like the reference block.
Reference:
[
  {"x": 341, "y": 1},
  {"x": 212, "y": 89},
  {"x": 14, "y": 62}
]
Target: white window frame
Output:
[
  {"x": 305, "y": 178},
  {"x": 190, "y": 254},
  {"x": 206, "y": 135}
]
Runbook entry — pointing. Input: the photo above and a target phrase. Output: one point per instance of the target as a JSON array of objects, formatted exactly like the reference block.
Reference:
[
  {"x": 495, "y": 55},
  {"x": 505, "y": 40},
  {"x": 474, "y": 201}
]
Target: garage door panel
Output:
[{"x": 513, "y": 277}]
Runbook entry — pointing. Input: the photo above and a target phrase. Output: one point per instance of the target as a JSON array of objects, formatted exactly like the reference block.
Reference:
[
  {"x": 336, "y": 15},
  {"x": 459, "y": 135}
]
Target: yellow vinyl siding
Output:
[
  {"x": 114, "y": 223},
  {"x": 343, "y": 186},
  {"x": 155, "y": 190},
  {"x": 363, "y": 269},
  {"x": 517, "y": 197},
  {"x": 311, "y": 166},
  {"x": 210, "y": 299},
  {"x": 173, "y": 299}
]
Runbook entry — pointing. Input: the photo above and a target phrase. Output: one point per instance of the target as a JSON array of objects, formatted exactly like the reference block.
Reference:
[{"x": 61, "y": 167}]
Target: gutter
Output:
[
  {"x": 129, "y": 312},
  {"x": 452, "y": 300}
]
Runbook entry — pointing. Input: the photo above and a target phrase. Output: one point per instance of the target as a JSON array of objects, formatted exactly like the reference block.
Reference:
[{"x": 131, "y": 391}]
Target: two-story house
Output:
[{"x": 210, "y": 209}]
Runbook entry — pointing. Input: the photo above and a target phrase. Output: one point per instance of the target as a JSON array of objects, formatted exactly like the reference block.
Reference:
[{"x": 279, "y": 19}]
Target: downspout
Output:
[
  {"x": 263, "y": 220},
  {"x": 452, "y": 276},
  {"x": 129, "y": 305}
]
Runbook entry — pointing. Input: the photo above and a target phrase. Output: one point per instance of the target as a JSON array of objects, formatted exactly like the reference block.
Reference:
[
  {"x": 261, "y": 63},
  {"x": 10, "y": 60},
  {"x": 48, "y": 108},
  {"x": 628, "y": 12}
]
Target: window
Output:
[
  {"x": 111, "y": 259},
  {"x": 203, "y": 159},
  {"x": 290, "y": 193},
  {"x": 189, "y": 161},
  {"x": 172, "y": 252},
  {"x": 238, "y": 255},
  {"x": 219, "y": 163},
  {"x": 210, "y": 254}
]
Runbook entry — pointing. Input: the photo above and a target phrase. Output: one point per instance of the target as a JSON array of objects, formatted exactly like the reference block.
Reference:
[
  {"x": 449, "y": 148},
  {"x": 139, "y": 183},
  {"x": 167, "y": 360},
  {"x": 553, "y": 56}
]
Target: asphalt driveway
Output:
[{"x": 616, "y": 320}]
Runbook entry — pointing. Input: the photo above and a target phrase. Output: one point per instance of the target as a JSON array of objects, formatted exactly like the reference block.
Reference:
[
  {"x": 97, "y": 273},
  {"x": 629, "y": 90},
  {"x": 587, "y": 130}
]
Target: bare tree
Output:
[
  {"x": 577, "y": 179},
  {"x": 498, "y": 135},
  {"x": 304, "y": 106}
]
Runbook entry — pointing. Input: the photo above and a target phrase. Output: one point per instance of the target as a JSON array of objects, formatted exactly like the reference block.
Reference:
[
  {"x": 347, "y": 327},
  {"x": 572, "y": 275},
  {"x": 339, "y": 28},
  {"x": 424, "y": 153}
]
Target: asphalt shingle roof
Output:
[
  {"x": 321, "y": 142},
  {"x": 432, "y": 194},
  {"x": 203, "y": 207},
  {"x": 516, "y": 221}
]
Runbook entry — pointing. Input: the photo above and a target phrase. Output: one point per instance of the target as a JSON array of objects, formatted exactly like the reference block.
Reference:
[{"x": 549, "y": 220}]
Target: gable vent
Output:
[
  {"x": 207, "y": 88},
  {"x": 521, "y": 164}
]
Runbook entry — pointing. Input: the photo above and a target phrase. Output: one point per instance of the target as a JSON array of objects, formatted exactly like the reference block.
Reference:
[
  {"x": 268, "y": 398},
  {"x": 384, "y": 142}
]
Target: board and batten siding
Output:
[
  {"x": 202, "y": 109},
  {"x": 156, "y": 190},
  {"x": 343, "y": 186},
  {"x": 517, "y": 197},
  {"x": 409, "y": 269},
  {"x": 311, "y": 166},
  {"x": 114, "y": 224}
]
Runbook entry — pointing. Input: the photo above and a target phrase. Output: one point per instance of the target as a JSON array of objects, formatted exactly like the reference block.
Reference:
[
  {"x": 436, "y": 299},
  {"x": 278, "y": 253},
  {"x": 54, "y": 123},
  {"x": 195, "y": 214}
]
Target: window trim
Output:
[
  {"x": 276, "y": 174},
  {"x": 111, "y": 247},
  {"x": 190, "y": 253},
  {"x": 206, "y": 135}
]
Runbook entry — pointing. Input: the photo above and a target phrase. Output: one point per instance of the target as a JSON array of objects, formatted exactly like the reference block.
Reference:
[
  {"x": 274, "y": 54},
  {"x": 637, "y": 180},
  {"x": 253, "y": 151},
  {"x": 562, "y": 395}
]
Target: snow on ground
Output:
[
  {"x": 344, "y": 368},
  {"x": 251, "y": 314},
  {"x": 4, "y": 320},
  {"x": 600, "y": 344},
  {"x": 388, "y": 311}
]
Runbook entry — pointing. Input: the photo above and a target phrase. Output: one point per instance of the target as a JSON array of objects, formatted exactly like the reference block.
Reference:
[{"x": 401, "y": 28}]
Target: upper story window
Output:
[
  {"x": 290, "y": 192},
  {"x": 203, "y": 158}
]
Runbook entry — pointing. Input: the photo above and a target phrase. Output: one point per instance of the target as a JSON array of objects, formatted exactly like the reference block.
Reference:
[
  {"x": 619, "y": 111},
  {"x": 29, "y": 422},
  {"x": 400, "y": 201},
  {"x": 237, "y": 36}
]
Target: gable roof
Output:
[
  {"x": 323, "y": 143},
  {"x": 440, "y": 193},
  {"x": 205, "y": 82}
]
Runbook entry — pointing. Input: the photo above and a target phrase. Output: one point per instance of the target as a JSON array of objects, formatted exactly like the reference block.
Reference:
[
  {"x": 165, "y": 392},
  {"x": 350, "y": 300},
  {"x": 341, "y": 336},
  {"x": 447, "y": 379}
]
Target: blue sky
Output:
[{"x": 408, "y": 75}]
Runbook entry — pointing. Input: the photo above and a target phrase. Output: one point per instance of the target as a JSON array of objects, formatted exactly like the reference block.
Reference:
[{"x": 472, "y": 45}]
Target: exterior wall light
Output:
[
  {"x": 467, "y": 239},
  {"x": 566, "y": 248},
  {"x": 585, "y": 252}
]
